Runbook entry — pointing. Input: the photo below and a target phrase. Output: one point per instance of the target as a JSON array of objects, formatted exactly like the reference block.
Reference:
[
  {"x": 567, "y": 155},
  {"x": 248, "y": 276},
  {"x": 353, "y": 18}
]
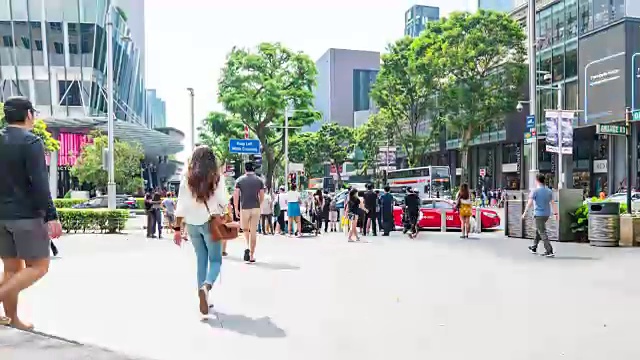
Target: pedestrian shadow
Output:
[
  {"x": 261, "y": 327},
  {"x": 265, "y": 265},
  {"x": 568, "y": 257}
]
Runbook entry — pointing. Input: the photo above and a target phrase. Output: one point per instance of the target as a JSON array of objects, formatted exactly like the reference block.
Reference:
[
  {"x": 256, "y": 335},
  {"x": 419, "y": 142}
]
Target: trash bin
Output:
[{"x": 604, "y": 223}]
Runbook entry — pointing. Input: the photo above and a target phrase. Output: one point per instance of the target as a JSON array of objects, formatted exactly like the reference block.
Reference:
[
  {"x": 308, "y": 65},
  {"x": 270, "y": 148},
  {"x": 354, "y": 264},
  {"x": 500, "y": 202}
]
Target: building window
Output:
[
  {"x": 586, "y": 16},
  {"x": 558, "y": 63},
  {"x": 69, "y": 93},
  {"x": 25, "y": 42},
  {"x": 43, "y": 92},
  {"x": 558, "y": 23},
  {"x": 571, "y": 95},
  {"x": 7, "y": 40},
  {"x": 56, "y": 26},
  {"x": 571, "y": 61},
  {"x": 59, "y": 47},
  {"x": 73, "y": 48},
  {"x": 38, "y": 44},
  {"x": 571, "y": 10}
]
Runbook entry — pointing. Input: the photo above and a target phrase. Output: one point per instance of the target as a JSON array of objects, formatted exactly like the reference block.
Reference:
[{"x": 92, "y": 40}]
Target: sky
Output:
[{"x": 186, "y": 45}]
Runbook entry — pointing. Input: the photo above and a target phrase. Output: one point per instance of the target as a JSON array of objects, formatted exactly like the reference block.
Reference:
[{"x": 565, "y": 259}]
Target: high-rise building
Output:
[
  {"x": 54, "y": 52},
  {"x": 344, "y": 82},
  {"x": 417, "y": 17},
  {"x": 497, "y": 5}
]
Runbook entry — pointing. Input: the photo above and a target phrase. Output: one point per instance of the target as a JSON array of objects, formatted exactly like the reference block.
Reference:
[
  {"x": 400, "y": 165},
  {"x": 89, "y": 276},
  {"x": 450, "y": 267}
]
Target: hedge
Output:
[
  {"x": 93, "y": 220},
  {"x": 67, "y": 203}
]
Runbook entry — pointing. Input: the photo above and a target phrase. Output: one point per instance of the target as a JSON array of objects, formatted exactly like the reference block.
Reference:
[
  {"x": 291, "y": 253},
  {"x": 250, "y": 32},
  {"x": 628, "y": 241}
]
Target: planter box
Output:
[{"x": 629, "y": 230}]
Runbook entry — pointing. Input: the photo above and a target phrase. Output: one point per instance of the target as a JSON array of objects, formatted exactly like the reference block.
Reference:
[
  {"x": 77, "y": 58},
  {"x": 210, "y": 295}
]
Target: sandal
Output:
[{"x": 5, "y": 321}]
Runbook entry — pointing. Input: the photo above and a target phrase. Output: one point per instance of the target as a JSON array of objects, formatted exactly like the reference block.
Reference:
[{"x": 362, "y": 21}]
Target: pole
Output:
[
  {"x": 192, "y": 114},
  {"x": 111, "y": 184},
  {"x": 629, "y": 157},
  {"x": 533, "y": 103},
  {"x": 286, "y": 148},
  {"x": 560, "y": 170}
]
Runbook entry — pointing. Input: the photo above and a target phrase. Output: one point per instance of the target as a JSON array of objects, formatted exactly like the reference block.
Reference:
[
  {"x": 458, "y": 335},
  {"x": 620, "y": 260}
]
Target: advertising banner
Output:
[
  {"x": 387, "y": 156},
  {"x": 530, "y": 130},
  {"x": 559, "y": 142}
]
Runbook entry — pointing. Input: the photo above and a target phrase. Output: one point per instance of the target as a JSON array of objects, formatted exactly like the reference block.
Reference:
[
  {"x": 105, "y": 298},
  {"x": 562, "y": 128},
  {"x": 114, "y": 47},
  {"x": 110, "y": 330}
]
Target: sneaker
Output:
[
  {"x": 549, "y": 254},
  {"x": 533, "y": 249},
  {"x": 247, "y": 255}
]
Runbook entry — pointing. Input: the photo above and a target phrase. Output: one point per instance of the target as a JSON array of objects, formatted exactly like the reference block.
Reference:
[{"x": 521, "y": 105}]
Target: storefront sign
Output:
[
  {"x": 518, "y": 157},
  {"x": 510, "y": 168},
  {"x": 600, "y": 167}
]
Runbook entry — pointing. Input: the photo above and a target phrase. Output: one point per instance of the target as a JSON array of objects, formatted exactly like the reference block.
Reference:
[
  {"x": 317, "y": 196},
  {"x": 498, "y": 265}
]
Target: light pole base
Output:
[
  {"x": 111, "y": 195},
  {"x": 532, "y": 178}
]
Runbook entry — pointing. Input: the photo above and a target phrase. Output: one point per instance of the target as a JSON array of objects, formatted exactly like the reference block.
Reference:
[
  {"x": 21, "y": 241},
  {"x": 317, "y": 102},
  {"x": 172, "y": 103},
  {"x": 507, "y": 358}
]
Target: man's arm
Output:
[
  {"x": 261, "y": 195},
  {"x": 39, "y": 177},
  {"x": 236, "y": 199},
  {"x": 52, "y": 213},
  {"x": 529, "y": 204}
]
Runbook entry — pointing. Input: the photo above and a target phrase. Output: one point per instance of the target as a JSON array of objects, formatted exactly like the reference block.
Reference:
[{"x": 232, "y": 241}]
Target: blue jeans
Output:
[{"x": 208, "y": 253}]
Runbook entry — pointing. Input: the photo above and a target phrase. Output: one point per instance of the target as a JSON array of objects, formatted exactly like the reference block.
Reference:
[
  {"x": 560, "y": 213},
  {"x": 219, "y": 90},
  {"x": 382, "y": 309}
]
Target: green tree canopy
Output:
[
  {"x": 303, "y": 148},
  {"x": 369, "y": 138},
  {"x": 335, "y": 144},
  {"x": 478, "y": 59},
  {"x": 406, "y": 93},
  {"x": 257, "y": 85},
  {"x": 217, "y": 129},
  {"x": 128, "y": 156},
  {"x": 39, "y": 129}
]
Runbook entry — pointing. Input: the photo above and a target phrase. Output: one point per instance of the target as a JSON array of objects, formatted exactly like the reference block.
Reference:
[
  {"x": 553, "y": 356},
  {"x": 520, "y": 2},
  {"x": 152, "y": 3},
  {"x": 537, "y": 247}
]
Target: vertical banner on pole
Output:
[{"x": 557, "y": 142}]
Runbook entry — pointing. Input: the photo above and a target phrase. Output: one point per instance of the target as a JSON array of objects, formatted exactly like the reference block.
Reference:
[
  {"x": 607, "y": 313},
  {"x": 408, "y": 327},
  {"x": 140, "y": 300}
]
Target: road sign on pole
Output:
[
  {"x": 610, "y": 129},
  {"x": 483, "y": 172},
  {"x": 635, "y": 115},
  {"x": 238, "y": 146}
]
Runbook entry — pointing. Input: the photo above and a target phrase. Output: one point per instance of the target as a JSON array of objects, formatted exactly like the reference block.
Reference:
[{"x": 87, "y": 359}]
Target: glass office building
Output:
[
  {"x": 54, "y": 52},
  {"x": 572, "y": 36},
  {"x": 496, "y": 5},
  {"x": 417, "y": 17}
]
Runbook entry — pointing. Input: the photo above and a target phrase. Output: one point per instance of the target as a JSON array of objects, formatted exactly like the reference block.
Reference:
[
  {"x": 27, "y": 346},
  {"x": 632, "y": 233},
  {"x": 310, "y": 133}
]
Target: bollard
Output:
[
  {"x": 478, "y": 224},
  {"x": 443, "y": 220}
]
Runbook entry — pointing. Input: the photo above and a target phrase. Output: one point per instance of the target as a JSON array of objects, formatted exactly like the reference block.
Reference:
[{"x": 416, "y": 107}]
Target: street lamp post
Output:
[
  {"x": 533, "y": 105},
  {"x": 111, "y": 183},
  {"x": 192, "y": 117}
]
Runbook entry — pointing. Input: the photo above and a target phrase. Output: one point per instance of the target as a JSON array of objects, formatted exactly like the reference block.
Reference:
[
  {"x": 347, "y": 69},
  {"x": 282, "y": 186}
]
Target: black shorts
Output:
[{"x": 26, "y": 239}]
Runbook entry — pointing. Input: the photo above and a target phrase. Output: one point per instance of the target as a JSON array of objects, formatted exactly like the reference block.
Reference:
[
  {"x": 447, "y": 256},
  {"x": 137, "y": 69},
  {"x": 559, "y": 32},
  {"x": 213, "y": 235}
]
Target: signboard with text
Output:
[
  {"x": 238, "y": 146},
  {"x": 556, "y": 141},
  {"x": 530, "y": 130},
  {"x": 611, "y": 129}
]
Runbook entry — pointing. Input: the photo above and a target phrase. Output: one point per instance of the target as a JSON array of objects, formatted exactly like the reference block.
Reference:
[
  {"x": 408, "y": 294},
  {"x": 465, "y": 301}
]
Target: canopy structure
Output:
[{"x": 154, "y": 143}]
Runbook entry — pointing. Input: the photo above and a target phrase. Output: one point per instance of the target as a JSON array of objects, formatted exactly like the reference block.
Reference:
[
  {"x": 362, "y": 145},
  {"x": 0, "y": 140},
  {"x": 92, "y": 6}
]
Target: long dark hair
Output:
[
  {"x": 353, "y": 194},
  {"x": 319, "y": 195},
  {"x": 203, "y": 173},
  {"x": 464, "y": 191}
]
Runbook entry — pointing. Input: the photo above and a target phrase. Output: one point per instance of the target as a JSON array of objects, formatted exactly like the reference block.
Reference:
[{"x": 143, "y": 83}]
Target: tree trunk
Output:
[{"x": 464, "y": 158}]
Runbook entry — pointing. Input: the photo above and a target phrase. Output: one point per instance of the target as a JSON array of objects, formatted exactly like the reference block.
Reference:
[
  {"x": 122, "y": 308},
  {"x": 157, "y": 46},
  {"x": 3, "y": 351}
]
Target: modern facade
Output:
[
  {"x": 496, "y": 5},
  {"x": 417, "y": 17},
  {"x": 156, "y": 113},
  {"x": 344, "y": 82},
  {"x": 575, "y": 37},
  {"x": 54, "y": 52}
]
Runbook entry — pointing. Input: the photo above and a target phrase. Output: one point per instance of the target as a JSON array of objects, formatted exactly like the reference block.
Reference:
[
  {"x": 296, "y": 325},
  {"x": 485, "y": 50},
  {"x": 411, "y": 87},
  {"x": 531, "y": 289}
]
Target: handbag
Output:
[{"x": 218, "y": 228}]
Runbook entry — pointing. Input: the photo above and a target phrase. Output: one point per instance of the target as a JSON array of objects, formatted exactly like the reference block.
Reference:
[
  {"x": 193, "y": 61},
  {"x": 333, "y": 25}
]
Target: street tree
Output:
[
  {"x": 303, "y": 148},
  {"x": 39, "y": 129},
  {"x": 128, "y": 156},
  {"x": 368, "y": 138},
  {"x": 336, "y": 143},
  {"x": 216, "y": 131},
  {"x": 258, "y": 85},
  {"x": 406, "y": 94},
  {"x": 479, "y": 60}
]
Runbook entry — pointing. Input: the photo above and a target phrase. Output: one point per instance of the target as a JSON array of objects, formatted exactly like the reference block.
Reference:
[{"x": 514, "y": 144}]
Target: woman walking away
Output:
[
  {"x": 202, "y": 194},
  {"x": 353, "y": 211},
  {"x": 318, "y": 204},
  {"x": 293, "y": 210},
  {"x": 463, "y": 203}
]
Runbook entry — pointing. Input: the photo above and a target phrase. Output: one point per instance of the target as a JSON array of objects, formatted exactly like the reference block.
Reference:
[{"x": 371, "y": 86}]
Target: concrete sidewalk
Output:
[{"x": 20, "y": 345}]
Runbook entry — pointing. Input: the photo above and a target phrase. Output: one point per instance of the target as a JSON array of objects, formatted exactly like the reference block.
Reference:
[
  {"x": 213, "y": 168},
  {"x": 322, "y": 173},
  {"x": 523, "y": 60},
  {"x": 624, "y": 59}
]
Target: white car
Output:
[{"x": 622, "y": 199}]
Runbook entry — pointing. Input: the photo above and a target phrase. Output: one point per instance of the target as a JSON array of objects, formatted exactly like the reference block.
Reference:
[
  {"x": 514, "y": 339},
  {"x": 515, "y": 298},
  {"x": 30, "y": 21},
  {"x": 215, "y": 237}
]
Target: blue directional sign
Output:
[
  {"x": 248, "y": 146},
  {"x": 531, "y": 122}
]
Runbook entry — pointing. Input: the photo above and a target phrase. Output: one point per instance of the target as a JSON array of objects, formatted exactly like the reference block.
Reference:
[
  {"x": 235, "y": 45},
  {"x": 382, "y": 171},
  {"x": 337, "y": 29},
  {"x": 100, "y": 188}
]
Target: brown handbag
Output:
[{"x": 218, "y": 228}]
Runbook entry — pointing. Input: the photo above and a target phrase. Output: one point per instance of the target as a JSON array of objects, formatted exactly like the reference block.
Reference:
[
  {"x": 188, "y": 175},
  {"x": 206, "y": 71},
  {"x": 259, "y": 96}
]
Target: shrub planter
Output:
[
  {"x": 629, "y": 230},
  {"x": 93, "y": 220},
  {"x": 67, "y": 203}
]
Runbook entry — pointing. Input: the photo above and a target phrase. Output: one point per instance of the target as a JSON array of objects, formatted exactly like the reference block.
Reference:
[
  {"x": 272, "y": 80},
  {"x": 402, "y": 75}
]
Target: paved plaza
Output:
[{"x": 438, "y": 297}]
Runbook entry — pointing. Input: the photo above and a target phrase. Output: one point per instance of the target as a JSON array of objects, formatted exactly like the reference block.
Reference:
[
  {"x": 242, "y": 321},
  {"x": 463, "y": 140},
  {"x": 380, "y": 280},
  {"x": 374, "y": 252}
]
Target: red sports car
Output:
[{"x": 431, "y": 210}]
